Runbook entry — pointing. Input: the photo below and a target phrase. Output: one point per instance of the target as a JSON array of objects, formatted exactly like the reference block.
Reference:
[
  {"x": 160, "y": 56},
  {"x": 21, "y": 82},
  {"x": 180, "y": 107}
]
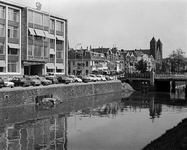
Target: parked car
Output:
[
  {"x": 20, "y": 81},
  {"x": 64, "y": 79},
  {"x": 52, "y": 78},
  {"x": 85, "y": 79},
  {"x": 75, "y": 79},
  {"x": 108, "y": 78},
  {"x": 101, "y": 77},
  {"x": 1, "y": 83},
  {"x": 44, "y": 81},
  {"x": 95, "y": 77},
  {"x": 8, "y": 83},
  {"x": 33, "y": 80},
  {"x": 92, "y": 77}
]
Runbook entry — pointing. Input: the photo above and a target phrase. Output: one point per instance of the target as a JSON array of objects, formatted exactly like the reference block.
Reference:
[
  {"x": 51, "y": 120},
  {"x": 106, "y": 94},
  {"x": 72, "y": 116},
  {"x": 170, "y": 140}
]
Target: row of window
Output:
[
  {"x": 38, "y": 51},
  {"x": 44, "y": 20},
  {"x": 57, "y": 70},
  {"x": 75, "y": 73},
  {"x": 11, "y": 51},
  {"x": 13, "y": 14},
  {"x": 86, "y": 63},
  {"x": 12, "y": 67},
  {"x": 13, "y": 32}
]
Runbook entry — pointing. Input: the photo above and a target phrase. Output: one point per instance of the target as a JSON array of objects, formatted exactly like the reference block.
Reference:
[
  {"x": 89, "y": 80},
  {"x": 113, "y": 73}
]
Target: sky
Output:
[{"x": 125, "y": 24}]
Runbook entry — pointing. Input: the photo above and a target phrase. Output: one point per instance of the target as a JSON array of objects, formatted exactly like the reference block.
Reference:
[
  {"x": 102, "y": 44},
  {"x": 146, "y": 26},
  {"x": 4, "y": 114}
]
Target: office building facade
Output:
[{"x": 32, "y": 42}]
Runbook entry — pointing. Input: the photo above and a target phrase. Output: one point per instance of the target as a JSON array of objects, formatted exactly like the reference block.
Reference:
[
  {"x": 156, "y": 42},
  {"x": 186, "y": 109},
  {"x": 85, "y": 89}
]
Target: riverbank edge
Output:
[
  {"x": 29, "y": 95},
  {"x": 173, "y": 139},
  {"x": 24, "y": 113}
]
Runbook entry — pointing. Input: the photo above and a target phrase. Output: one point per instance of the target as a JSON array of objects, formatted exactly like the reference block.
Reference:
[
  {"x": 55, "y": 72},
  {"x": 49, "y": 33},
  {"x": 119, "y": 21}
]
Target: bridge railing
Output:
[
  {"x": 135, "y": 75},
  {"x": 148, "y": 75},
  {"x": 171, "y": 75}
]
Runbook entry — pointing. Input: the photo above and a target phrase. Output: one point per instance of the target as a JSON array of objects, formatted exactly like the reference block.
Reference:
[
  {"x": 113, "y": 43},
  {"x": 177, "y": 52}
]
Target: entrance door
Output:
[{"x": 26, "y": 70}]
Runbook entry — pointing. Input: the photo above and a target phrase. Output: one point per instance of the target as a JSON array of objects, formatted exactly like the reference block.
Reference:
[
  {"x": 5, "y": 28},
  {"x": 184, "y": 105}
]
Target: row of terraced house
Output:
[
  {"x": 34, "y": 42},
  {"x": 31, "y": 41},
  {"x": 113, "y": 60}
]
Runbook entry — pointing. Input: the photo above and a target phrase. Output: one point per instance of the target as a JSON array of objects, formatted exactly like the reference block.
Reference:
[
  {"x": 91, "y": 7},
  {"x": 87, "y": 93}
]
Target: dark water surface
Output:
[{"x": 105, "y": 122}]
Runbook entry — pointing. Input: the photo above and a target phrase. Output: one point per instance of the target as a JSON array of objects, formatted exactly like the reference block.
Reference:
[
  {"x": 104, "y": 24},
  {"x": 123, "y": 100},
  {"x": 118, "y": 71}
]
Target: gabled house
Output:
[{"x": 151, "y": 56}]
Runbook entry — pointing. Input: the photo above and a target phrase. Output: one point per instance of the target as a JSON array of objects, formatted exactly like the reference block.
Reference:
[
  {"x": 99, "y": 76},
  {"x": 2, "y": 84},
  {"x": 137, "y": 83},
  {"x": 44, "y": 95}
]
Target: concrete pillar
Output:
[
  {"x": 173, "y": 87},
  {"x": 144, "y": 87},
  {"x": 152, "y": 80}
]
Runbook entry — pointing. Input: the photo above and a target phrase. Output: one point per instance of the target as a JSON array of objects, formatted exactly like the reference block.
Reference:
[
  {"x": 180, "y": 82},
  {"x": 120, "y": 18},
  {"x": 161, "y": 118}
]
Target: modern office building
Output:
[{"x": 32, "y": 42}]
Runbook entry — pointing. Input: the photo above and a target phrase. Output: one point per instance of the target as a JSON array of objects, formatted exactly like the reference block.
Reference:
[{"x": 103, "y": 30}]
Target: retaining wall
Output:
[{"x": 22, "y": 96}]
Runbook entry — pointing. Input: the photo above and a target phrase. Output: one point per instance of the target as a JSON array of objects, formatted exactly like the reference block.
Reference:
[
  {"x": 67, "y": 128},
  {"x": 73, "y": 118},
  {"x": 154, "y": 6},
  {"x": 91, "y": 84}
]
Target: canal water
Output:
[{"x": 118, "y": 121}]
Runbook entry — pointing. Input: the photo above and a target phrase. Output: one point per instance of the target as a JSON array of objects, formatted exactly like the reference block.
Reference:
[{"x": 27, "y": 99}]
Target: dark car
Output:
[
  {"x": 1, "y": 83},
  {"x": 44, "y": 81},
  {"x": 64, "y": 79},
  {"x": 52, "y": 78},
  {"x": 20, "y": 81},
  {"x": 33, "y": 80},
  {"x": 85, "y": 79}
]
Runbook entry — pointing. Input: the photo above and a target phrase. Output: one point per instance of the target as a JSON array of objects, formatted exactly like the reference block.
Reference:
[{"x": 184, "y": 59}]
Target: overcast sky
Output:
[{"x": 126, "y": 24}]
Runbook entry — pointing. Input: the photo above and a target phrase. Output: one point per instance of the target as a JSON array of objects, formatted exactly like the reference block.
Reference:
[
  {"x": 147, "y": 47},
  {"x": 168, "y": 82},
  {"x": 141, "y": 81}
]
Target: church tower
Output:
[
  {"x": 153, "y": 47},
  {"x": 156, "y": 49},
  {"x": 159, "y": 48}
]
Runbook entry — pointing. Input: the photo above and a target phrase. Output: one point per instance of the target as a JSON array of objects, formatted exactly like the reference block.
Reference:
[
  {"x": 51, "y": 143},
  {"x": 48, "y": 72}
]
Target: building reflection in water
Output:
[
  {"x": 49, "y": 134},
  {"x": 127, "y": 104}
]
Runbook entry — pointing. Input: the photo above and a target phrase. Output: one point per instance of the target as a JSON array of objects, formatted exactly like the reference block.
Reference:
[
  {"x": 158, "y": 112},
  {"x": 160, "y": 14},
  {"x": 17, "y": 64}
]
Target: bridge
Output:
[{"x": 154, "y": 82}]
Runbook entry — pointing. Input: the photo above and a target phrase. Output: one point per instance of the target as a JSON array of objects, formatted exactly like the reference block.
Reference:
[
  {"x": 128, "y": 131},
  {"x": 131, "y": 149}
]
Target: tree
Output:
[
  {"x": 141, "y": 66},
  {"x": 158, "y": 68},
  {"x": 166, "y": 66},
  {"x": 177, "y": 61}
]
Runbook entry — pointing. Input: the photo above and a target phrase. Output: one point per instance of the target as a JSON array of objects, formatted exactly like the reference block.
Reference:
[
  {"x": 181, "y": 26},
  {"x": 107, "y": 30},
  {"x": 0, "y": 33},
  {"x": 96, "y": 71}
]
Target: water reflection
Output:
[
  {"x": 49, "y": 129},
  {"x": 47, "y": 133}
]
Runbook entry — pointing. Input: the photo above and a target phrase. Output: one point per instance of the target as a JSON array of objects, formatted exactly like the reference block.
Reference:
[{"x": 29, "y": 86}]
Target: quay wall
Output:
[
  {"x": 23, "y": 113},
  {"x": 28, "y": 95}
]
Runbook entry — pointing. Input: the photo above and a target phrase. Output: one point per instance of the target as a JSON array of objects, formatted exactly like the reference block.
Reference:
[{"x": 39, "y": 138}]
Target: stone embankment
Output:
[
  {"x": 173, "y": 139},
  {"x": 126, "y": 87},
  {"x": 30, "y": 95}
]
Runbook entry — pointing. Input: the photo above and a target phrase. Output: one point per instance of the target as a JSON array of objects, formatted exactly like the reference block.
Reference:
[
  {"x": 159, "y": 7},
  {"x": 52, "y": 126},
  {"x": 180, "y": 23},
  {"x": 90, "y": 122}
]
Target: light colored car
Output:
[
  {"x": 75, "y": 79},
  {"x": 102, "y": 77},
  {"x": 95, "y": 77},
  {"x": 108, "y": 78},
  {"x": 8, "y": 83},
  {"x": 92, "y": 77}
]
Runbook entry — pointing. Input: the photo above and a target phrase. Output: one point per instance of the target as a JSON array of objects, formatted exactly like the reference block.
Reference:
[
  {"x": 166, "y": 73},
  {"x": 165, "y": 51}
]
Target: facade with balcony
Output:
[
  {"x": 115, "y": 61},
  {"x": 86, "y": 62},
  {"x": 32, "y": 42}
]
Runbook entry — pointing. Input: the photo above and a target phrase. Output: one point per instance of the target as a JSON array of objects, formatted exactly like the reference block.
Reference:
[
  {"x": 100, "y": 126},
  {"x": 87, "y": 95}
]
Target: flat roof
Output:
[{"x": 34, "y": 9}]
